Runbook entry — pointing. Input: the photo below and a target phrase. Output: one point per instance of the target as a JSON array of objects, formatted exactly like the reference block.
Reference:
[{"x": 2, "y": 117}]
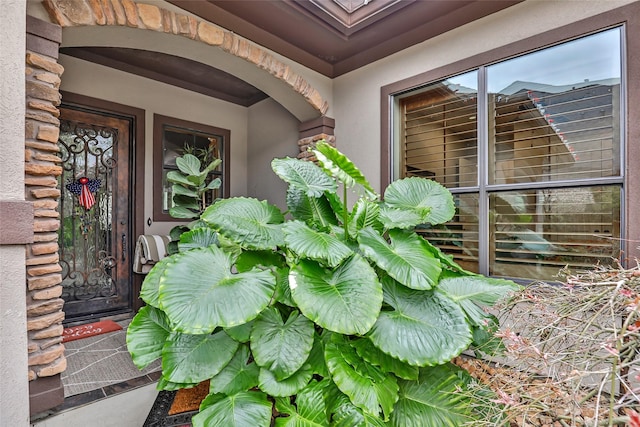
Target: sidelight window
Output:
[{"x": 174, "y": 138}]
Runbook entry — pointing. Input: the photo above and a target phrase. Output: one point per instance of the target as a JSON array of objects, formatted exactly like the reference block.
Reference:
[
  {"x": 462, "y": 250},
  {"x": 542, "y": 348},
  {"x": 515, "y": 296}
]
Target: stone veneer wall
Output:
[
  {"x": 42, "y": 167},
  {"x": 70, "y": 13},
  {"x": 312, "y": 132},
  {"x": 305, "y": 144}
]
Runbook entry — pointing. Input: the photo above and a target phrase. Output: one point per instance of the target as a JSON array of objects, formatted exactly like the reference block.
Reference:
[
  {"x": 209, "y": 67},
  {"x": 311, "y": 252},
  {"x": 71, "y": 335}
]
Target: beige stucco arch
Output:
[{"x": 117, "y": 23}]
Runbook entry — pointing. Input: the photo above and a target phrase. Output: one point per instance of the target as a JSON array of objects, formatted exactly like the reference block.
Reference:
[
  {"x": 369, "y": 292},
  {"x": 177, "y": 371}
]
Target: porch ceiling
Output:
[
  {"x": 331, "y": 37},
  {"x": 334, "y": 37}
]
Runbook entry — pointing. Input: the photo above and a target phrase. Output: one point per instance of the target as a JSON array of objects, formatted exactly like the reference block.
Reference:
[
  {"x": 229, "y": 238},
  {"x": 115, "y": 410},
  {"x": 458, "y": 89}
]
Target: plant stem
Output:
[{"x": 345, "y": 212}]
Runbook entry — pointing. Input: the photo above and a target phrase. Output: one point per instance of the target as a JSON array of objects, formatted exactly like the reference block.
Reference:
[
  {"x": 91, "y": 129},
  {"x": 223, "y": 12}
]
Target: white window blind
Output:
[{"x": 440, "y": 136}]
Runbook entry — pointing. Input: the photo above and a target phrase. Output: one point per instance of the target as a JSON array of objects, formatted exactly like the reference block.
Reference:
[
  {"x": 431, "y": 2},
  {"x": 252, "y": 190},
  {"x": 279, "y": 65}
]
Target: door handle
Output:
[{"x": 124, "y": 247}]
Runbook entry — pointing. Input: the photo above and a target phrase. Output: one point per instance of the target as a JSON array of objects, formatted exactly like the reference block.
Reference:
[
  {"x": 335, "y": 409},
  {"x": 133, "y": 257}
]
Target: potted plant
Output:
[
  {"x": 329, "y": 316},
  {"x": 190, "y": 184}
]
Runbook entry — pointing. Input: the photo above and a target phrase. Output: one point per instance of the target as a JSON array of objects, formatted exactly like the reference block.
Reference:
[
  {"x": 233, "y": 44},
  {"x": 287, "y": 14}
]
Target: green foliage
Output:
[
  {"x": 190, "y": 183},
  {"x": 337, "y": 316}
]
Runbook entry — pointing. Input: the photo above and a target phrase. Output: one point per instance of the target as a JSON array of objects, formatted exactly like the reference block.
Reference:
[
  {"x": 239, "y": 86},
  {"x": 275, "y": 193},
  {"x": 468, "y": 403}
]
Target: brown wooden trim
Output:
[
  {"x": 430, "y": 29},
  {"x": 317, "y": 126},
  {"x": 344, "y": 48},
  {"x": 137, "y": 163},
  {"x": 628, "y": 15},
  {"x": 43, "y": 37},
  {"x": 45, "y": 393},
  {"x": 159, "y": 122},
  {"x": 16, "y": 222}
]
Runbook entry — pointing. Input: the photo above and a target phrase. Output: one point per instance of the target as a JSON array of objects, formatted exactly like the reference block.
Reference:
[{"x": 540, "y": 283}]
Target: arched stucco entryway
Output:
[
  {"x": 88, "y": 22},
  {"x": 123, "y": 23}
]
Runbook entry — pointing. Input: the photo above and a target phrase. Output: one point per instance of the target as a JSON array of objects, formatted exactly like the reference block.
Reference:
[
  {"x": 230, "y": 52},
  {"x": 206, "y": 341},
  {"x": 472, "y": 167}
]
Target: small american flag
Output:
[{"x": 84, "y": 189}]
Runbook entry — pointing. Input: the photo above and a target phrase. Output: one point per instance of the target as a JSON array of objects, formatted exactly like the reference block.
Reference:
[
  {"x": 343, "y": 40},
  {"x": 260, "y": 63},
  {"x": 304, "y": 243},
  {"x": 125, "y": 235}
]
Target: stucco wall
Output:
[
  {"x": 273, "y": 132},
  {"x": 154, "y": 97},
  {"x": 356, "y": 95},
  {"x": 14, "y": 407}
]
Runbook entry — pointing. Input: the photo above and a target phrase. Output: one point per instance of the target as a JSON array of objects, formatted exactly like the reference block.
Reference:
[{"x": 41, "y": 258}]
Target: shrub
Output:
[{"x": 332, "y": 316}]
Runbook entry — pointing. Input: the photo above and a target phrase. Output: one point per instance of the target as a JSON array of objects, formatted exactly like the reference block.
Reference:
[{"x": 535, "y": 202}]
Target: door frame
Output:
[{"x": 136, "y": 174}]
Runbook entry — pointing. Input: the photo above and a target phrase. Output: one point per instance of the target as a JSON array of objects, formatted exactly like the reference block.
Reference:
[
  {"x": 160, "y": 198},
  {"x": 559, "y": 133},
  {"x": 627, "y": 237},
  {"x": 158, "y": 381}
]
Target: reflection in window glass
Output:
[
  {"x": 440, "y": 132},
  {"x": 459, "y": 237},
  {"x": 535, "y": 233},
  {"x": 556, "y": 113}
]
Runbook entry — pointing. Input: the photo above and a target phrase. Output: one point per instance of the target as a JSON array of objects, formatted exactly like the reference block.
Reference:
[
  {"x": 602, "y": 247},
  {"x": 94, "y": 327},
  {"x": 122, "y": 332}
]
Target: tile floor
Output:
[
  {"x": 129, "y": 409},
  {"x": 100, "y": 379}
]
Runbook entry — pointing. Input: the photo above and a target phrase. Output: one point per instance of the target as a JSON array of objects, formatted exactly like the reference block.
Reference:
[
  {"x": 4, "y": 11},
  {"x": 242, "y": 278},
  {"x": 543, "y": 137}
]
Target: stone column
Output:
[
  {"x": 16, "y": 219},
  {"x": 313, "y": 131},
  {"x": 42, "y": 168}
]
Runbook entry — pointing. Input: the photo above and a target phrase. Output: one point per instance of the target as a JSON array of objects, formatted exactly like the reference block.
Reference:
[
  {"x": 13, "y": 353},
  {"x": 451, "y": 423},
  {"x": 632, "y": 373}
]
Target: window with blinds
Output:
[
  {"x": 441, "y": 135},
  {"x": 541, "y": 174}
]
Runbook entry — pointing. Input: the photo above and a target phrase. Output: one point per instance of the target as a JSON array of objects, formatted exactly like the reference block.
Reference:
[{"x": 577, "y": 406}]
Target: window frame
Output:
[
  {"x": 159, "y": 124},
  {"x": 628, "y": 18}
]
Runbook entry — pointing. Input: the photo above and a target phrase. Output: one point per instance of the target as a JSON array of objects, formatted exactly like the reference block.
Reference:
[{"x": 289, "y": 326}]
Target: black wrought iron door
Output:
[{"x": 94, "y": 234}]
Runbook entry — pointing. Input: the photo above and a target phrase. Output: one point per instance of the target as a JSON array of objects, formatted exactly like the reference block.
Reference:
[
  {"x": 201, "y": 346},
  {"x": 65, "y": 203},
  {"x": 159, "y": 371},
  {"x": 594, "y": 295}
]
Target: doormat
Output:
[
  {"x": 89, "y": 330},
  {"x": 189, "y": 399},
  {"x": 176, "y": 408}
]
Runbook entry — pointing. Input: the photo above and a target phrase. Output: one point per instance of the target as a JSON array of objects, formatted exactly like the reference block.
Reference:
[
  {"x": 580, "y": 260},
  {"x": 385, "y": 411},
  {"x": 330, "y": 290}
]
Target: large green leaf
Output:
[
  {"x": 311, "y": 210},
  {"x": 164, "y": 384},
  {"x": 406, "y": 259},
  {"x": 240, "y": 333},
  {"x": 424, "y": 328},
  {"x": 211, "y": 166},
  {"x": 281, "y": 347},
  {"x": 199, "y": 292},
  {"x": 186, "y": 202},
  {"x": 214, "y": 184},
  {"x": 146, "y": 336},
  {"x": 151, "y": 284},
  {"x": 308, "y": 243},
  {"x": 368, "y": 387},
  {"x": 248, "y": 222},
  {"x": 184, "y": 191},
  {"x": 195, "y": 358},
  {"x": 340, "y": 167},
  {"x": 286, "y": 387},
  {"x": 375, "y": 356},
  {"x": 435, "y": 400},
  {"x": 346, "y": 299},
  {"x": 244, "y": 409},
  {"x": 316, "y": 358},
  {"x": 475, "y": 292},
  {"x": 309, "y": 409},
  {"x": 425, "y": 200},
  {"x": 188, "y": 164},
  {"x": 176, "y": 177},
  {"x": 365, "y": 213},
  {"x": 200, "y": 237},
  {"x": 446, "y": 260},
  {"x": 238, "y": 375},
  {"x": 303, "y": 175},
  {"x": 283, "y": 292},
  {"x": 346, "y": 414},
  {"x": 182, "y": 212},
  {"x": 248, "y": 260}
]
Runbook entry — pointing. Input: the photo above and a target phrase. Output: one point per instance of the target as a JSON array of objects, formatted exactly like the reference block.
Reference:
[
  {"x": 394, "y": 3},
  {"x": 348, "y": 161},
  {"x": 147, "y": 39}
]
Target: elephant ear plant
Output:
[{"x": 335, "y": 317}]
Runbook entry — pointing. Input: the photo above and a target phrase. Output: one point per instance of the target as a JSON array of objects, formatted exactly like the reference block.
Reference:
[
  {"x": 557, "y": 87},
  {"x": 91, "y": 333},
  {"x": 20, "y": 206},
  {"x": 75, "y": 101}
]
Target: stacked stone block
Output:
[
  {"x": 42, "y": 167},
  {"x": 305, "y": 144}
]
